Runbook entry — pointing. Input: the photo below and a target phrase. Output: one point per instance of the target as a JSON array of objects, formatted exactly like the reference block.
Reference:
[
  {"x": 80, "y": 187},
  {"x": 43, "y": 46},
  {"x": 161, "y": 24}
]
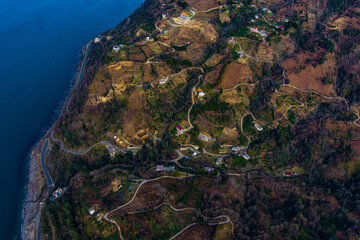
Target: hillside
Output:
[{"x": 212, "y": 120}]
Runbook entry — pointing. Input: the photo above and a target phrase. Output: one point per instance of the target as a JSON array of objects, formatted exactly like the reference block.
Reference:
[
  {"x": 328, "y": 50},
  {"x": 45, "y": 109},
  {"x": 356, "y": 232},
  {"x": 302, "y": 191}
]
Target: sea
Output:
[{"x": 40, "y": 45}]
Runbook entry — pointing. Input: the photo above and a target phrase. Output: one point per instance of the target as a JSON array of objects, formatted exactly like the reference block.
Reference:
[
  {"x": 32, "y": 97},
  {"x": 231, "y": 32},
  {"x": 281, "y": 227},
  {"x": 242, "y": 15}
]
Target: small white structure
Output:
[
  {"x": 162, "y": 81},
  {"x": 164, "y": 15},
  {"x": 219, "y": 161},
  {"x": 246, "y": 156},
  {"x": 258, "y": 127},
  {"x": 236, "y": 149},
  {"x": 91, "y": 211},
  {"x": 252, "y": 20},
  {"x": 194, "y": 154},
  {"x": 116, "y": 48},
  {"x": 256, "y": 16},
  {"x": 147, "y": 39},
  {"x": 96, "y": 40},
  {"x": 201, "y": 94},
  {"x": 209, "y": 169}
]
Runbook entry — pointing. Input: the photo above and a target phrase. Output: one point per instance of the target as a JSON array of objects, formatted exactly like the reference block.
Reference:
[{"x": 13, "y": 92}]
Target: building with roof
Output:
[
  {"x": 201, "y": 94},
  {"x": 159, "y": 167},
  {"x": 184, "y": 16},
  {"x": 246, "y": 156},
  {"x": 116, "y": 48},
  {"x": 258, "y": 127},
  {"x": 91, "y": 211}
]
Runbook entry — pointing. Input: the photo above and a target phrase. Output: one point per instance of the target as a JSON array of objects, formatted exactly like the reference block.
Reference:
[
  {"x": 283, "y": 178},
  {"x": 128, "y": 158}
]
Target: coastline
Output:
[
  {"x": 35, "y": 180},
  {"x": 36, "y": 183}
]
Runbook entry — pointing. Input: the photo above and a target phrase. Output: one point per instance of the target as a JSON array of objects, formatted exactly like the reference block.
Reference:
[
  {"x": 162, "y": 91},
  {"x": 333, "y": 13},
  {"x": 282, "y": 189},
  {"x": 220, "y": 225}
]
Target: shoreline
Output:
[{"x": 35, "y": 182}]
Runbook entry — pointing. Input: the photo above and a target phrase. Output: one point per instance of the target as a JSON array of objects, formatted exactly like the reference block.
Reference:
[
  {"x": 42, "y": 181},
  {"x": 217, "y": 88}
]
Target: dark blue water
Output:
[{"x": 40, "y": 42}]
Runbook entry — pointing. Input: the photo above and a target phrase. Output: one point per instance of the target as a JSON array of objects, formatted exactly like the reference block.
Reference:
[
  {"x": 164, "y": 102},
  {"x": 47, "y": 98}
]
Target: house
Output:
[
  {"x": 57, "y": 193},
  {"x": 147, "y": 39},
  {"x": 162, "y": 81},
  {"x": 194, "y": 154},
  {"x": 258, "y": 127},
  {"x": 201, "y": 94},
  {"x": 246, "y": 156},
  {"x": 96, "y": 40},
  {"x": 208, "y": 169},
  {"x": 164, "y": 15},
  {"x": 91, "y": 211},
  {"x": 285, "y": 20},
  {"x": 263, "y": 8},
  {"x": 281, "y": 27},
  {"x": 256, "y": 16},
  {"x": 179, "y": 128},
  {"x": 289, "y": 174},
  {"x": 252, "y": 20},
  {"x": 159, "y": 167},
  {"x": 116, "y": 48},
  {"x": 184, "y": 16},
  {"x": 219, "y": 160}
]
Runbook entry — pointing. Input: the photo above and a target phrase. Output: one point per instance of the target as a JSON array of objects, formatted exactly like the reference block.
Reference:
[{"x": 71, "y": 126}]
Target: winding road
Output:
[
  {"x": 88, "y": 150},
  {"x": 80, "y": 75},
  {"x": 106, "y": 216}
]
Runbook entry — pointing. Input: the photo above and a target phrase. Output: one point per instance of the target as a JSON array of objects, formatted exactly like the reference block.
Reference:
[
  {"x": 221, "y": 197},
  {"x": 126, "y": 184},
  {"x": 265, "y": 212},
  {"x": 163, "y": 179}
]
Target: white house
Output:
[
  {"x": 246, "y": 156},
  {"x": 201, "y": 94},
  {"x": 258, "y": 127},
  {"x": 91, "y": 211},
  {"x": 116, "y": 48}
]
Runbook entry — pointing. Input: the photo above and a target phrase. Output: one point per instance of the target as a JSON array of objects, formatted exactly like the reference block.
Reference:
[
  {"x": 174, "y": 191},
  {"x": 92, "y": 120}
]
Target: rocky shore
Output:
[{"x": 34, "y": 191}]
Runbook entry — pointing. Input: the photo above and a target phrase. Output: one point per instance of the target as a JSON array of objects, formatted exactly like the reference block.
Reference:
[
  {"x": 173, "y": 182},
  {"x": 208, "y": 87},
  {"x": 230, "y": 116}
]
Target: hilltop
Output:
[{"x": 211, "y": 120}]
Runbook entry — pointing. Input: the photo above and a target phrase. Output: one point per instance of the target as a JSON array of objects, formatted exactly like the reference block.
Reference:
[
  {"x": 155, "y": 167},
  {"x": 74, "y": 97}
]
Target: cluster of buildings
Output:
[
  {"x": 239, "y": 151},
  {"x": 262, "y": 33}
]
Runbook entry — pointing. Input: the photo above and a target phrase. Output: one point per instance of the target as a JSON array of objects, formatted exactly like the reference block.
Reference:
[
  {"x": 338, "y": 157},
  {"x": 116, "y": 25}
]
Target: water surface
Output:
[{"x": 40, "y": 42}]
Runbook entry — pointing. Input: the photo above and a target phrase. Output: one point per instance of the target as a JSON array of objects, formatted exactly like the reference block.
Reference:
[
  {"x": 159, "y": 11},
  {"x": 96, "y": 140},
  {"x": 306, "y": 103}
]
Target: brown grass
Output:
[
  {"x": 197, "y": 232},
  {"x": 236, "y": 73},
  {"x": 311, "y": 78}
]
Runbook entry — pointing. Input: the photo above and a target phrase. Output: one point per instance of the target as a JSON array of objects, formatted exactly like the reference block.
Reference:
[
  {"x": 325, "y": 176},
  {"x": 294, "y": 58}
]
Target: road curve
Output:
[
  {"x": 132, "y": 199},
  {"x": 43, "y": 166},
  {"x": 87, "y": 150}
]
